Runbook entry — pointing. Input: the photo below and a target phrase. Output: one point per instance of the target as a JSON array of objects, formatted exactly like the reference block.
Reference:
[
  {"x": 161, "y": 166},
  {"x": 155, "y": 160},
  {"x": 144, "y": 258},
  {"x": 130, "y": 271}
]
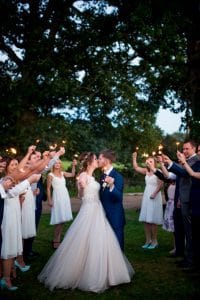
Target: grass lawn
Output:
[{"x": 157, "y": 276}]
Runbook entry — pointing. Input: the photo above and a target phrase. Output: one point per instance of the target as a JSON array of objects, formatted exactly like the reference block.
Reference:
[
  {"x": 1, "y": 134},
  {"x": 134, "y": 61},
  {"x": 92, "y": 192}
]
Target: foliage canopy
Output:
[{"x": 108, "y": 64}]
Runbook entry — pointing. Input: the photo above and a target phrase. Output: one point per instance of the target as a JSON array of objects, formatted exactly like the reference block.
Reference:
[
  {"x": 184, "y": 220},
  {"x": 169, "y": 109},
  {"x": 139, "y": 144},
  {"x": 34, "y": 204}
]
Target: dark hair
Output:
[
  {"x": 85, "y": 160},
  {"x": 32, "y": 153},
  {"x": 109, "y": 154},
  {"x": 191, "y": 142},
  {"x": 8, "y": 160}
]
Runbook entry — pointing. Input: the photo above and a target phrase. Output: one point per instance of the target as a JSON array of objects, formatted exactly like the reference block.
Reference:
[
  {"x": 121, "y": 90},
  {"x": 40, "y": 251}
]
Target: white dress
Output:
[
  {"x": 61, "y": 210},
  {"x": 11, "y": 229},
  {"x": 151, "y": 209},
  {"x": 28, "y": 215},
  {"x": 89, "y": 257}
]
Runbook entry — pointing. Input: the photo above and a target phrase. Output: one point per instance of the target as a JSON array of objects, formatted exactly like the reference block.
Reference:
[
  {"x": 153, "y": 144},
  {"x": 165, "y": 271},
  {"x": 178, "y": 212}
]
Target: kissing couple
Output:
[{"x": 91, "y": 256}]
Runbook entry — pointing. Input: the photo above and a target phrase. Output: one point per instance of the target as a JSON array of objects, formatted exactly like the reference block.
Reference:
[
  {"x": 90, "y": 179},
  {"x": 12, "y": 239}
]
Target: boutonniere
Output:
[{"x": 104, "y": 183}]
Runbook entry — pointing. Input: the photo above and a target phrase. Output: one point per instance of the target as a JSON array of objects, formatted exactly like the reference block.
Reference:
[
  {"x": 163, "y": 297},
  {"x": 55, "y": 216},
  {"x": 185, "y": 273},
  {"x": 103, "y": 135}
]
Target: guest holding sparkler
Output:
[
  {"x": 151, "y": 213},
  {"x": 58, "y": 198}
]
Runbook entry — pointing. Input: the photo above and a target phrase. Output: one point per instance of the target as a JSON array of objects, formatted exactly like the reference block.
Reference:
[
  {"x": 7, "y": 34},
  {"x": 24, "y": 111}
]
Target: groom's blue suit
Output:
[{"x": 112, "y": 202}]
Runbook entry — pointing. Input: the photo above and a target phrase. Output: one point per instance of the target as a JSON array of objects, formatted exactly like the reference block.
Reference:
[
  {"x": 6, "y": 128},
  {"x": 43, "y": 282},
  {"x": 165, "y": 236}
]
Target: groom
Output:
[{"x": 111, "y": 194}]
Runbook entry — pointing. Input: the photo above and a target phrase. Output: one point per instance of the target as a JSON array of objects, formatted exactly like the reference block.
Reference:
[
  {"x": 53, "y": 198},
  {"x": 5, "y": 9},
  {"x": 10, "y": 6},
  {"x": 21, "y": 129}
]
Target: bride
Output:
[{"x": 89, "y": 257}]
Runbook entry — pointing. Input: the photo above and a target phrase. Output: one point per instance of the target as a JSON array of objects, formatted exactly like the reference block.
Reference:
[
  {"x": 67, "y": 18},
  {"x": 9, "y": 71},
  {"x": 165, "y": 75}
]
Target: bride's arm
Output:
[{"x": 82, "y": 182}]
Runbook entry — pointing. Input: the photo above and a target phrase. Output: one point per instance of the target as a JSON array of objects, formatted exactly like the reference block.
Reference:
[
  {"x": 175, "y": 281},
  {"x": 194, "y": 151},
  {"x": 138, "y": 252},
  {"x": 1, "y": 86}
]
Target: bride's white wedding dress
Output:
[{"x": 89, "y": 257}]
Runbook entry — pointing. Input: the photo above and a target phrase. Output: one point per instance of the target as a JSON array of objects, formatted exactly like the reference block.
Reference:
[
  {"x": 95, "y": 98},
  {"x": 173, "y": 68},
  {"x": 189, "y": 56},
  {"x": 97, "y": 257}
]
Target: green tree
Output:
[{"x": 100, "y": 58}]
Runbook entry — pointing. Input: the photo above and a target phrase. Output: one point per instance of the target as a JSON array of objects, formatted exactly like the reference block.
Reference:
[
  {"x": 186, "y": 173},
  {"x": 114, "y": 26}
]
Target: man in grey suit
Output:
[{"x": 189, "y": 149}]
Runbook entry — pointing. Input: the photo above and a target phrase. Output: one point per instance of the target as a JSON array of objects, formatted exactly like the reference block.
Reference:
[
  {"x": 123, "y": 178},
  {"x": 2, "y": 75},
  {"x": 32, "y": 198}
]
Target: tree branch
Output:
[{"x": 9, "y": 52}]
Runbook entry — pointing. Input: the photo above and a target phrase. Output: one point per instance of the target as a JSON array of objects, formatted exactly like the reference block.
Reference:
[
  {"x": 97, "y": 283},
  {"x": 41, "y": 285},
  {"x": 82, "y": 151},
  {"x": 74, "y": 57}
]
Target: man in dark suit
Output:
[
  {"x": 111, "y": 194},
  {"x": 185, "y": 183},
  {"x": 179, "y": 233}
]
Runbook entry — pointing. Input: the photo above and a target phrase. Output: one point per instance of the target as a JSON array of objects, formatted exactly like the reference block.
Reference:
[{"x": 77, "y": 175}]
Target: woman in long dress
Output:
[
  {"x": 59, "y": 200},
  {"x": 151, "y": 213},
  {"x": 89, "y": 257}
]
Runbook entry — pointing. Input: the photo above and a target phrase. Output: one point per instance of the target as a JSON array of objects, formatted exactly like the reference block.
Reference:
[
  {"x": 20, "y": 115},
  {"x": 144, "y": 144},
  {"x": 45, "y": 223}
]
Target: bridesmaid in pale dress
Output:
[
  {"x": 28, "y": 206},
  {"x": 58, "y": 199},
  {"x": 11, "y": 228},
  {"x": 151, "y": 213},
  {"x": 9, "y": 194},
  {"x": 12, "y": 231}
]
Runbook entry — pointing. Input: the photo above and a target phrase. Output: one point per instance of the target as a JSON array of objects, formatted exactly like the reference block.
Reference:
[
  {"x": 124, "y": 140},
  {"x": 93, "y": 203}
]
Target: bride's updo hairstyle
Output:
[{"x": 85, "y": 160}]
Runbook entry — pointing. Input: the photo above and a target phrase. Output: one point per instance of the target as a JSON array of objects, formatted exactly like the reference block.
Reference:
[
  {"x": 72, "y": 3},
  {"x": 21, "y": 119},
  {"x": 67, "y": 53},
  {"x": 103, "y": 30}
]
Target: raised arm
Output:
[
  {"x": 49, "y": 185},
  {"x": 54, "y": 157},
  {"x": 73, "y": 172},
  {"x": 135, "y": 165},
  {"x": 23, "y": 162},
  {"x": 183, "y": 161}
]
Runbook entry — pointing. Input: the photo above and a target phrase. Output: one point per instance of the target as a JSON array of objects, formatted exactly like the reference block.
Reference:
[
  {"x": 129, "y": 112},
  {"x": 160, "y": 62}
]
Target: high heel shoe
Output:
[
  {"x": 22, "y": 269},
  {"x": 4, "y": 285},
  {"x": 152, "y": 246},
  {"x": 146, "y": 246}
]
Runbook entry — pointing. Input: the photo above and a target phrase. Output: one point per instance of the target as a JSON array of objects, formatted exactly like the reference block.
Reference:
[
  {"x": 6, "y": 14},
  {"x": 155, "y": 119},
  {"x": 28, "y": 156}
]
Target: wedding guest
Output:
[
  {"x": 189, "y": 151},
  {"x": 151, "y": 213},
  {"x": 9, "y": 247},
  {"x": 89, "y": 257},
  {"x": 11, "y": 227},
  {"x": 5, "y": 184},
  {"x": 33, "y": 160},
  {"x": 179, "y": 232},
  {"x": 194, "y": 172},
  {"x": 12, "y": 211},
  {"x": 58, "y": 198},
  {"x": 170, "y": 179},
  {"x": 2, "y": 164}
]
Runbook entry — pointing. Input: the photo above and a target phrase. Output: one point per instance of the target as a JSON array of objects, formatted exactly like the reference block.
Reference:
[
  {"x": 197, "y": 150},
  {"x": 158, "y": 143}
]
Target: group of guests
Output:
[
  {"x": 182, "y": 213},
  {"x": 90, "y": 257},
  {"x": 19, "y": 183}
]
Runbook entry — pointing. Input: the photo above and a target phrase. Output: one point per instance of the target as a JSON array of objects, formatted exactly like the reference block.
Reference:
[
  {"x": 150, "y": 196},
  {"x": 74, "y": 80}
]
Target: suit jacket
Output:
[
  {"x": 112, "y": 201},
  {"x": 41, "y": 196},
  {"x": 185, "y": 181},
  {"x": 195, "y": 191}
]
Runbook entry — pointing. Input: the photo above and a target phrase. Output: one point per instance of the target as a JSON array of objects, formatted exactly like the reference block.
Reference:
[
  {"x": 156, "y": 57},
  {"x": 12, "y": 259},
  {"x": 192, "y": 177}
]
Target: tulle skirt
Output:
[{"x": 89, "y": 257}]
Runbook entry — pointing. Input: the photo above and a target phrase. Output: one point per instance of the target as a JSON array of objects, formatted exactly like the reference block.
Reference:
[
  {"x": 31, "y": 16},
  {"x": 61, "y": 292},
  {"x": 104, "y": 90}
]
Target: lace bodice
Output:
[{"x": 91, "y": 191}]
